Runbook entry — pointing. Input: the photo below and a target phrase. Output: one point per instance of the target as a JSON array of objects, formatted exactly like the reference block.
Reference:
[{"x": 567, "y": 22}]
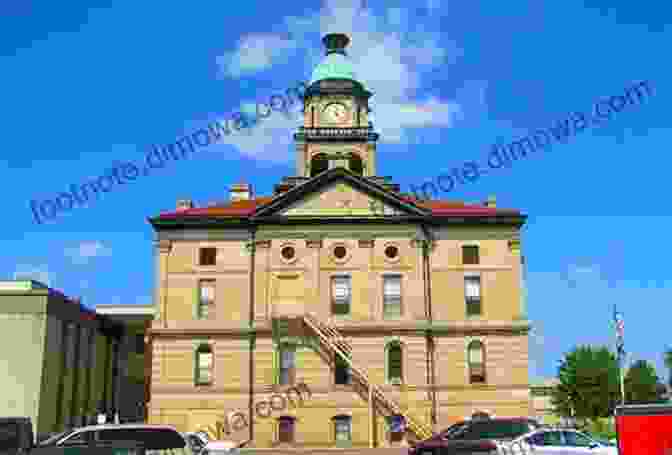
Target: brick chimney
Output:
[
  {"x": 491, "y": 202},
  {"x": 240, "y": 192},
  {"x": 185, "y": 204}
]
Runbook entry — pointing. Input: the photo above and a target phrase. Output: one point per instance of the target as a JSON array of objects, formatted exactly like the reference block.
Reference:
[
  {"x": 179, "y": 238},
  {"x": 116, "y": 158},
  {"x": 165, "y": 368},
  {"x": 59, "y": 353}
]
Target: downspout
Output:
[
  {"x": 251, "y": 331},
  {"x": 430, "y": 338}
]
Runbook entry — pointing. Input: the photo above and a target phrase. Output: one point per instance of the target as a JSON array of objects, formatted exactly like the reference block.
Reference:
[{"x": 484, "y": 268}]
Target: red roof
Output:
[{"x": 247, "y": 207}]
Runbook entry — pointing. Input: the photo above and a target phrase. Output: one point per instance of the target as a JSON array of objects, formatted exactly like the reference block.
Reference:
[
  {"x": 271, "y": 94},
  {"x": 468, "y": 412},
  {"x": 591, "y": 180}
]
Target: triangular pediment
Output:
[
  {"x": 340, "y": 198},
  {"x": 336, "y": 193}
]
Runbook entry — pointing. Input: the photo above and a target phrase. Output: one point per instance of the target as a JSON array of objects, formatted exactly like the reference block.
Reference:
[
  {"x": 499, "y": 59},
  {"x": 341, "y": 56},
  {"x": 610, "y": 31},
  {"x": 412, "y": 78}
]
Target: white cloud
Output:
[
  {"x": 389, "y": 56},
  {"x": 82, "y": 253},
  {"x": 33, "y": 272},
  {"x": 254, "y": 53}
]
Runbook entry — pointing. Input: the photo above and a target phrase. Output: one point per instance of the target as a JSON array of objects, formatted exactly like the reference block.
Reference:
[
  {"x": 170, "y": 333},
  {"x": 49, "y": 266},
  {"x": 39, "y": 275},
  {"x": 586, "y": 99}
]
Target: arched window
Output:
[
  {"x": 476, "y": 361},
  {"x": 394, "y": 363},
  {"x": 286, "y": 429},
  {"x": 342, "y": 429},
  {"x": 318, "y": 164},
  {"x": 355, "y": 164},
  {"x": 203, "y": 365}
]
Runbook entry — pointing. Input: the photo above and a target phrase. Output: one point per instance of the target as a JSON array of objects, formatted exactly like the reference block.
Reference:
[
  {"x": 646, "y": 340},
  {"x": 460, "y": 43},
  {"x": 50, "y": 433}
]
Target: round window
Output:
[
  {"x": 340, "y": 252},
  {"x": 288, "y": 253},
  {"x": 391, "y": 252}
]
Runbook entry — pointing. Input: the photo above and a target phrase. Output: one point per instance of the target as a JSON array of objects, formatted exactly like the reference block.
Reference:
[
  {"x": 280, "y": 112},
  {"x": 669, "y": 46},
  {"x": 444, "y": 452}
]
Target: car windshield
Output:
[
  {"x": 604, "y": 442},
  {"x": 52, "y": 439}
]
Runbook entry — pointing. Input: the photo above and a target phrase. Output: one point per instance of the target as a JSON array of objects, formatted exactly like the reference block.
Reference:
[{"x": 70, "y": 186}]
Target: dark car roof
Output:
[{"x": 438, "y": 439}]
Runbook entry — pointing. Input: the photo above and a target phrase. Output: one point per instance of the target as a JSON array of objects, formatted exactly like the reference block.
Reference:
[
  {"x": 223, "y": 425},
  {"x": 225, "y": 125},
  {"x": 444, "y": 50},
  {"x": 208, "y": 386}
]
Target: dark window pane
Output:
[
  {"x": 470, "y": 255},
  {"x": 394, "y": 362},
  {"x": 576, "y": 439},
  {"x": 341, "y": 372},
  {"x": 286, "y": 429},
  {"x": 140, "y": 344},
  {"x": 151, "y": 439},
  {"x": 342, "y": 429},
  {"x": 552, "y": 438},
  {"x": 207, "y": 256}
]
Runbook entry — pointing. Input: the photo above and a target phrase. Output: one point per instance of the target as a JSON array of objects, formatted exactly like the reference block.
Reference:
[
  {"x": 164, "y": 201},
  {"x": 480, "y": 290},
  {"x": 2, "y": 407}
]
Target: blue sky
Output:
[{"x": 86, "y": 84}]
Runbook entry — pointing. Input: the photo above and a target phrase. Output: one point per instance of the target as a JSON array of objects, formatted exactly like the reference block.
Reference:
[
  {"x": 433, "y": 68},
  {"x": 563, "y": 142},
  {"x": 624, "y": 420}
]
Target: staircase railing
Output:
[{"x": 332, "y": 338}]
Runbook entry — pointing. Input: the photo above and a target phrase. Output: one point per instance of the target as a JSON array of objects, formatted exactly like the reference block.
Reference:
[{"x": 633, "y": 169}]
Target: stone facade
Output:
[{"x": 345, "y": 207}]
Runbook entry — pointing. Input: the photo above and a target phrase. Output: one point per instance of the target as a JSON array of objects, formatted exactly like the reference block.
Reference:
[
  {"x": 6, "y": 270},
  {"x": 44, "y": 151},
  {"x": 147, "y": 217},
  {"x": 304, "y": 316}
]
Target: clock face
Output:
[{"x": 336, "y": 113}]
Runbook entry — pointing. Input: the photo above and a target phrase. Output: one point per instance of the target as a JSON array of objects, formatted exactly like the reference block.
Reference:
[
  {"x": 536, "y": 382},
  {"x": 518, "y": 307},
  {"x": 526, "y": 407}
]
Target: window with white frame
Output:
[
  {"x": 472, "y": 294},
  {"x": 392, "y": 295},
  {"x": 341, "y": 291},
  {"x": 206, "y": 299},
  {"x": 204, "y": 365}
]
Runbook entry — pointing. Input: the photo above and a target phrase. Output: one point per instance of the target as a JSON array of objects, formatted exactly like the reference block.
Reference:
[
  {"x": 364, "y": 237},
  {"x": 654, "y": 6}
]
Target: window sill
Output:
[{"x": 204, "y": 384}]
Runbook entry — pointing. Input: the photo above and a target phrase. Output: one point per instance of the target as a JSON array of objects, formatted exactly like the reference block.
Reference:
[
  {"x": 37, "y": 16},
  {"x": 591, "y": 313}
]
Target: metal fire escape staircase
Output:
[{"x": 337, "y": 344}]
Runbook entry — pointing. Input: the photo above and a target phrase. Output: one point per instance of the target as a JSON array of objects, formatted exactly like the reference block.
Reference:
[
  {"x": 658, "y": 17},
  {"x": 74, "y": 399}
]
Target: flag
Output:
[{"x": 620, "y": 325}]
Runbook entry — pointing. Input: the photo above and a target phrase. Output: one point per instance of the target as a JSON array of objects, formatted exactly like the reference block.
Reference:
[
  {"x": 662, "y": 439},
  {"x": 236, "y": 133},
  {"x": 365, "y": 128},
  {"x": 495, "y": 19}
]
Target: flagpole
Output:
[{"x": 619, "y": 352}]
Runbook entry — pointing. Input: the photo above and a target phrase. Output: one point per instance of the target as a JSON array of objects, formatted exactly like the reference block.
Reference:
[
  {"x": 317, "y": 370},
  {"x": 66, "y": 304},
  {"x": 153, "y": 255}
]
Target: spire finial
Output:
[{"x": 336, "y": 43}]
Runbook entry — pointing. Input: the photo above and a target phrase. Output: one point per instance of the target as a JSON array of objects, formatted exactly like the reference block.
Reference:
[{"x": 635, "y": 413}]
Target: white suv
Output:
[{"x": 154, "y": 439}]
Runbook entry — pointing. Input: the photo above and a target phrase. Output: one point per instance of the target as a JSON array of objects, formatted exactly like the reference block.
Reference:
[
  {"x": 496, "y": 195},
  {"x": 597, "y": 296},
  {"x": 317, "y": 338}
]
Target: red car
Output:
[{"x": 475, "y": 436}]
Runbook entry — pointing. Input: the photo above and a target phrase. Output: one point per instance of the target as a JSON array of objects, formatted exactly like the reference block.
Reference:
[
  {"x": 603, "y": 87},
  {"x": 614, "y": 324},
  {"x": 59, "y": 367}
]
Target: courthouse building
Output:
[{"x": 380, "y": 303}]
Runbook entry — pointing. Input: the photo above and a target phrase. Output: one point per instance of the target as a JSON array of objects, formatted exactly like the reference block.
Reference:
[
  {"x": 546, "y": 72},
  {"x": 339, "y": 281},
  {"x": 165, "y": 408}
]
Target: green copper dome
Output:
[{"x": 335, "y": 65}]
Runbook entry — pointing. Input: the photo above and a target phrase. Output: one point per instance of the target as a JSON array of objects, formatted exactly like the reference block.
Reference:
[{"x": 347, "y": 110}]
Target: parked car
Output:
[
  {"x": 475, "y": 436},
  {"x": 197, "y": 440},
  {"x": 17, "y": 437},
  {"x": 223, "y": 447},
  {"x": 151, "y": 437},
  {"x": 559, "y": 441}
]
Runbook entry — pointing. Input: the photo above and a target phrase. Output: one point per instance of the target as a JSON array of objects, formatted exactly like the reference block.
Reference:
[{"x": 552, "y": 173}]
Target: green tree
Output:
[
  {"x": 589, "y": 384},
  {"x": 667, "y": 358},
  {"x": 642, "y": 385}
]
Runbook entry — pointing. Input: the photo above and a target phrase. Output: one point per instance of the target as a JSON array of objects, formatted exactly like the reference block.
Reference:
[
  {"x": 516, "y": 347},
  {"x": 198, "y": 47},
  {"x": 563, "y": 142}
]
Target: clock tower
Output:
[{"x": 336, "y": 130}]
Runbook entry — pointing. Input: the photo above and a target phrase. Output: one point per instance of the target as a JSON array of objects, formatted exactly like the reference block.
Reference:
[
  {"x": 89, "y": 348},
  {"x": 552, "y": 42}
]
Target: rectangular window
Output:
[
  {"x": 470, "y": 255},
  {"x": 341, "y": 371},
  {"x": 207, "y": 256},
  {"x": 206, "y": 298},
  {"x": 287, "y": 366},
  {"x": 472, "y": 294},
  {"x": 342, "y": 429},
  {"x": 204, "y": 364},
  {"x": 392, "y": 296},
  {"x": 394, "y": 373},
  {"x": 340, "y": 295},
  {"x": 286, "y": 429}
]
